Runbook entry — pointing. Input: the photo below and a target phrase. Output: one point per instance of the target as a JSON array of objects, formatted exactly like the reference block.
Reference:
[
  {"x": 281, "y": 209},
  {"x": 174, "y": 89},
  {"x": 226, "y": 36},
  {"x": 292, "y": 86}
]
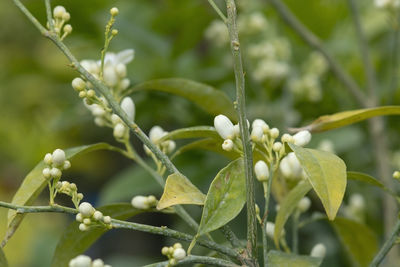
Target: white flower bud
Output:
[
  {"x": 357, "y": 202},
  {"x": 396, "y": 175},
  {"x": 98, "y": 263},
  {"x": 156, "y": 133},
  {"x": 87, "y": 221},
  {"x": 48, "y": 159},
  {"x": 58, "y": 157},
  {"x": 59, "y": 11},
  {"x": 302, "y": 138},
  {"x": 119, "y": 131},
  {"x": 67, "y": 165},
  {"x": 261, "y": 170},
  {"x": 55, "y": 173},
  {"x": 274, "y": 132},
  {"x": 224, "y": 127},
  {"x": 270, "y": 229},
  {"x": 81, "y": 261},
  {"x": 128, "y": 106},
  {"x": 67, "y": 28},
  {"x": 287, "y": 138},
  {"x": 120, "y": 69},
  {"x": 277, "y": 146},
  {"x": 257, "y": 134},
  {"x": 107, "y": 219},
  {"x": 66, "y": 17},
  {"x": 110, "y": 76},
  {"x": 171, "y": 146},
  {"x": 139, "y": 202},
  {"x": 304, "y": 204},
  {"x": 177, "y": 245},
  {"x": 86, "y": 209},
  {"x": 125, "y": 83},
  {"x": 179, "y": 254},
  {"x": 97, "y": 215},
  {"x": 236, "y": 130},
  {"x": 115, "y": 119},
  {"x": 79, "y": 217},
  {"x": 46, "y": 173},
  {"x": 114, "y": 11},
  {"x": 83, "y": 227},
  {"x": 290, "y": 167},
  {"x": 164, "y": 251},
  {"x": 318, "y": 251},
  {"x": 227, "y": 145},
  {"x": 78, "y": 84}
]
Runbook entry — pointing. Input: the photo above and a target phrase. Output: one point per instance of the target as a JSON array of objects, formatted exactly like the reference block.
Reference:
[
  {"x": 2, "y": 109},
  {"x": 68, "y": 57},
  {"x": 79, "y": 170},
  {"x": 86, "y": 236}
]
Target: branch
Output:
[
  {"x": 209, "y": 261},
  {"x": 219, "y": 12},
  {"x": 387, "y": 246},
  {"x": 315, "y": 43},
  {"x": 240, "y": 106}
]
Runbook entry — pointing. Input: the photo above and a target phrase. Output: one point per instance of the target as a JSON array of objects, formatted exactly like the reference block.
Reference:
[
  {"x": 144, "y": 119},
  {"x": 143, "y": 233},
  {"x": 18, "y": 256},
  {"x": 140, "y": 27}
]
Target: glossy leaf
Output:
[
  {"x": 362, "y": 177},
  {"x": 337, "y": 120},
  {"x": 193, "y": 132},
  {"x": 358, "y": 239},
  {"x": 34, "y": 183},
  {"x": 75, "y": 242},
  {"x": 208, "y": 98},
  {"x": 287, "y": 207},
  {"x": 225, "y": 198},
  {"x": 327, "y": 175},
  {"x": 281, "y": 259},
  {"x": 179, "y": 190},
  {"x": 3, "y": 260}
]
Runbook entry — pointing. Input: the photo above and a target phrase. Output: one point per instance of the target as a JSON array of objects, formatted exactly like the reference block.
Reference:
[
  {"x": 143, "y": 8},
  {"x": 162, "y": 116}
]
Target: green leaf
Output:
[
  {"x": 208, "y": 98},
  {"x": 337, "y": 120},
  {"x": 75, "y": 242},
  {"x": 281, "y": 259},
  {"x": 179, "y": 190},
  {"x": 225, "y": 198},
  {"x": 34, "y": 183},
  {"x": 359, "y": 240},
  {"x": 327, "y": 175},
  {"x": 192, "y": 132},
  {"x": 362, "y": 177},
  {"x": 3, "y": 260},
  {"x": 287, "y": 207}
]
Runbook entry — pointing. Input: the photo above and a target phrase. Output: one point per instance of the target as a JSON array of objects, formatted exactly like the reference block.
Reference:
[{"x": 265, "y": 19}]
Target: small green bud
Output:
[{"x": 114, "y": 11}]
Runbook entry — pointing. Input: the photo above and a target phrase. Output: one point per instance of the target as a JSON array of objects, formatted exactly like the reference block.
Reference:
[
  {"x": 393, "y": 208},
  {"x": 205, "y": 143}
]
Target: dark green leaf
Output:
[
  {"x": 362, "y": 177},
  {"x": 225, "y": 198},
  {"x": 358, "y": 239},
  {"x": 281, "y": 259},
  {"x": 208, "y": 98},
  {"x": 75, "y": 242},
  {"x": 193, "y": 132},
  {"x": 34, "y": 183},
  {"x": 287, "y": 207},
  {"x": 327, "y": 175}
]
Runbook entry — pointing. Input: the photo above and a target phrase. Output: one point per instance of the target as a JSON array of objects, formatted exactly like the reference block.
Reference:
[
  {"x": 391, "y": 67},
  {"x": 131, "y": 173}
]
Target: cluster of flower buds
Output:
[
  {"x": 121, "y": 131},
  {"x": 304, "y": 204},
  {"x": 227, "y": 131},
  {"x": 89, "y": 216},
  {"x": 290, "y": 167},
  {"x": 144, "y": 203},
  {"x": 55, "y": 163},
  {"x": 60, "y": 17},
  {"x": 86, "y": 261},
  {"x": 156, "y": 135},
  {"x": 318, "y": 251},
  {"x": 174, "y": 253},
  {"x": 71, "y": 190}
]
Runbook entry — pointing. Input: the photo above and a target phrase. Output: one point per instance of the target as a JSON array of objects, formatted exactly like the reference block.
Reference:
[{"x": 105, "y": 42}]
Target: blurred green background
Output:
[{"x": 40, "y": 111}]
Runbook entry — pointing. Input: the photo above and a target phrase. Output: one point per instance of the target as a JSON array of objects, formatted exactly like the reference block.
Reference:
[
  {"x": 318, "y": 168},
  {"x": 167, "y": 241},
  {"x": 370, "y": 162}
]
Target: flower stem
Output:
[
  {"x": 208, "y": 261},
  {"x": 219, "y": 12},
  {"x": 386, "y": 246},
  {"x": 240, "y": 106}
]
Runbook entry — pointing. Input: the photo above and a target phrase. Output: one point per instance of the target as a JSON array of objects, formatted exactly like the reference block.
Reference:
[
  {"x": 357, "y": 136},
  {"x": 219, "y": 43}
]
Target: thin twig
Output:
[
  {"x": 240, "y": 106},
  {"x": 219, "y": 12},
  {"x": 209, "y": 261},
  {"x": 49, "y": 15}
]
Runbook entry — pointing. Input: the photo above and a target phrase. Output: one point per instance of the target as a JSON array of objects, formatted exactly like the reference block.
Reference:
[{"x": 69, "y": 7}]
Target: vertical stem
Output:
[
  {"x": 386, "y": 246},
  {"x": 49, "y": 15},
  {"x": 295, "y": 232},
  {"x": 244, "y": 131},
  {"x": 267, "y": 195}
]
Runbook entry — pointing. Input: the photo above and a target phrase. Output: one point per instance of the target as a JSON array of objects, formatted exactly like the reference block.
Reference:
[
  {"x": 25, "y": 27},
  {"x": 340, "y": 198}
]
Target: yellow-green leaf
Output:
[
  {"x": 225, "y": 198},
  {"x": 192, "y": 132},
  {"x": 208, "y": 98},
  {"x": 287, "y": 206},
  {"x": 358, "y": 239},
  {"x": 281, "y": 259},
  {"x": 179, "y": 190},
  {"x": 34, "y": 183},
  {"x": 327, "y": 175},
  {"x": 362, "y": 177},
  {"x": 337, "y": 120},
  {"x": 74, "y": 242},
  {"x": 3, "y": 260}
]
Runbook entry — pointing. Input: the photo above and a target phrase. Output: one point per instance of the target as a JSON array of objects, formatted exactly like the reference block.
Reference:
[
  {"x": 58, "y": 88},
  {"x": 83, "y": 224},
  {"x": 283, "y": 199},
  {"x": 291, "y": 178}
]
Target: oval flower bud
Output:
[
  {"x": 357, "y": 202},
  {"x": 120, "y": 69},
  {"x": 59, "y": 11},
  {"x": 156, "y": 133},
  {"x": 140, "y": 202},
  {"x": 318, "y": 251},
  {"x": 179, "y": 254},
  {"x": 259, "y": 123},
  {"x": 274, "y": 132},
  {"x": 224, "y": 127},
  {"x": 86, "y": 209},
  {"x": 119, "y": 131},
  {"x": 261, "y": 170},
  {"x": 270, "y": 229},
  {"x": 257, "y": 134},
  {"x": 128, "y": 106},
  {"x": 304, "y": 204},
  {"x": 78, "y": 84},
  {"x": 227, "y": 145},
  {"x": 80, "y": 261},
  {"x": 98, "y": 263},
  {"x": 58, "y": 157},
  {"x": 302, "y": 138}
]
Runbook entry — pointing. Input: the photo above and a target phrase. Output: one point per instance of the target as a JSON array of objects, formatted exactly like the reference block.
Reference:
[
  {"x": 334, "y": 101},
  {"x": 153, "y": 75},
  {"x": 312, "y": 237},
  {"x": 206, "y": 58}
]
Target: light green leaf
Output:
[
  {"x": 359, "y": 240},
  {"x": 179, "y": 190},
  {"x": 3, "y": 260},
  {"x": 34, "y": 183},
  {"x": 287, "y": 207},
  {"x": 75, "y": 242},
  {"x": 337, "y": 120},
  {"x": 327, "y": 175},
  {"x": 281, "y": 259},
  {"x": 208, "y": 98},
  {"x": 192, "y": 132},
  {"x": 225, "y": 198}
]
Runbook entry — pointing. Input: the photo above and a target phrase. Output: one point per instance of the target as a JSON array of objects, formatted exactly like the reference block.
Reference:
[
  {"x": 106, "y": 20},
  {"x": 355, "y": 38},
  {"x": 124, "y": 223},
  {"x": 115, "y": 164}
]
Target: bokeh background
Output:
[{"x": 287, "y": 85}]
